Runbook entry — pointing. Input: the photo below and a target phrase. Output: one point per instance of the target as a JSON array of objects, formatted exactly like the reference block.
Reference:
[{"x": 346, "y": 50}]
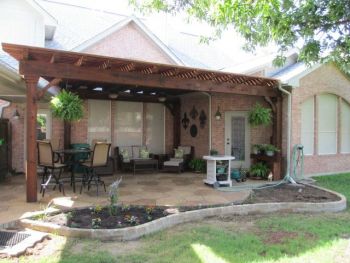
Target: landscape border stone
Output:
[{"x": 135, "y": 232}]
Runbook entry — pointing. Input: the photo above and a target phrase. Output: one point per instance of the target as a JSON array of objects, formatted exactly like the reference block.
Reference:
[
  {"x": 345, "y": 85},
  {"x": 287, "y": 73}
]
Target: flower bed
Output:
[{"x": 103, "y": 217}]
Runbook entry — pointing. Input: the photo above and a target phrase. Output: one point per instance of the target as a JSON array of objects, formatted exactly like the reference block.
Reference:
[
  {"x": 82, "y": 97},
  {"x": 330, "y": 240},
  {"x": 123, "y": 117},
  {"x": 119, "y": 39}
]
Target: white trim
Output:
[
  {"x": 164, "y": 128},
  {"x": 119, "y": 25},
  {"x": 293, "y": 78},
  {"x": 4, "y": 106},
  {"x": 228, "y": 135},
  {"x": 48, "y": 114},
  {"x": 48, "y": 18}
]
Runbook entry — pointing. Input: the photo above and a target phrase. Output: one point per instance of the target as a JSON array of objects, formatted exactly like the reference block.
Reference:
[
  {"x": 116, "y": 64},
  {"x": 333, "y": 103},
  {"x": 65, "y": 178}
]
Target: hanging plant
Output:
[
  {"x": 260, "y": 116},
  {"x": 67, "y": 106}
]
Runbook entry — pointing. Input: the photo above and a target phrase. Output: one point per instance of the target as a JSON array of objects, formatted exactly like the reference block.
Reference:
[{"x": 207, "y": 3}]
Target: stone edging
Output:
[{"x": 131, "y": 233}]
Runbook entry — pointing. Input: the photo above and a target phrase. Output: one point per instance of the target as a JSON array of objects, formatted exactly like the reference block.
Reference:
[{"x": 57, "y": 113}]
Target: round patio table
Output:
[{"x": 72, "y": 162}]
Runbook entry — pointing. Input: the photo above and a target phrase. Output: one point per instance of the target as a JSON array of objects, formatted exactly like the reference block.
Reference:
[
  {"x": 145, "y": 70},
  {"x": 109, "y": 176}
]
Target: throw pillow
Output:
[
  {"x": 144, "y": 154},
  {"x": 179, "y": 153},
  {"x": 125, "y": 154}
]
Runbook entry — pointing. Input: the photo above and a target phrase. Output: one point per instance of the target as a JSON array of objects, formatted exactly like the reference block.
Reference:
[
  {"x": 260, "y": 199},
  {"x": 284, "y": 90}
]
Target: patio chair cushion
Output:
[
  {"x": 179, "y": 153},
  {"x": 144, "y": 153},
  {"x": 125, "y": 154},
  {"x": 185, "y": 149},
  {"x": 174, "y": 162}
]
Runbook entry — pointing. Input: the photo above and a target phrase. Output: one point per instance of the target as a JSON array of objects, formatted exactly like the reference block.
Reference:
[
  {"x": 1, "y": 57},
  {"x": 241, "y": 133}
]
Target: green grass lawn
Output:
[{"x": 273, "y": 238}]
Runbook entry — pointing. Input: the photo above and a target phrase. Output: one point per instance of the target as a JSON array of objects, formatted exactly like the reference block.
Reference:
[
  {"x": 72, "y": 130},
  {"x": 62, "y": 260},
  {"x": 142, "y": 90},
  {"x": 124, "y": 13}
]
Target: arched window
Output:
[
  {"x": 327, "y": 123},
  {"x": 307, "y": 126},
  {"x": 345, "y": 127}
]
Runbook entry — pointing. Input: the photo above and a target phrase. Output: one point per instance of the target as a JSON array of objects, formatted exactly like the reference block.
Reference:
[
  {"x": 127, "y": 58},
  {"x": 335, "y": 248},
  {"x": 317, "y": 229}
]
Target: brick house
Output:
[{"x": 152, "y": 123}]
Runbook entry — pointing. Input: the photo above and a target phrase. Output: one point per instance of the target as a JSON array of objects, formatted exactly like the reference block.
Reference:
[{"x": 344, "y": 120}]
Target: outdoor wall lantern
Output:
[
  {"x": 185, "y": 121},
  {"x": 218, "y": 114},
  {"x": 16, "y": 114},
  {"x": 113, "y": 96}
]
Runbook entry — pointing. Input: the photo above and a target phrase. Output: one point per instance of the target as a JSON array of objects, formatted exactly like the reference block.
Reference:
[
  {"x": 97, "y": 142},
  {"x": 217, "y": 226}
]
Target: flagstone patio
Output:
[{"x": 169, "y": 189}]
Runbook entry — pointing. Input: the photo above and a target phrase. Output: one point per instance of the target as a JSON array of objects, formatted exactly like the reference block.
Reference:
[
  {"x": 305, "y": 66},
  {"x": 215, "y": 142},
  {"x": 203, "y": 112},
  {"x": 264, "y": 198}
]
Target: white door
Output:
[{"x": 237, "y": 138}]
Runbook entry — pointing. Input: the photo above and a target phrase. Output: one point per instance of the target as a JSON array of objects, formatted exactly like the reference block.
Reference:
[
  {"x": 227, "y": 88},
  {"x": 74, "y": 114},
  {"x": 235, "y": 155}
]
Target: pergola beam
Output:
[
  {"x": 31, "y": 172},
  {"x": 72, "y": 72}
]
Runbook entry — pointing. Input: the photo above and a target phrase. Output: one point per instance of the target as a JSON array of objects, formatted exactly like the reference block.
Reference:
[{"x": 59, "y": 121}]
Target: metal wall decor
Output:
[
  {"x": 202, "y": 119},
  {"x": 185, "y": 121},
  {"x": 193, "y": 130},
  {"x": 193, "y": 113}
]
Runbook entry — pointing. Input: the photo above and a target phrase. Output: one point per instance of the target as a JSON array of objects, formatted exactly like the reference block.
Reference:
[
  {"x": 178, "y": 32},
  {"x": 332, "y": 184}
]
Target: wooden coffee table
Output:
[{"x": 144, "y": 165}]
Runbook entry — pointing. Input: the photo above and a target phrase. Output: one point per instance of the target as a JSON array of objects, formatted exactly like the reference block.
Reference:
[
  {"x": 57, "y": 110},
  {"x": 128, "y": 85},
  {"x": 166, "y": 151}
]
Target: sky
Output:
[{"x": 230, "y": 40}]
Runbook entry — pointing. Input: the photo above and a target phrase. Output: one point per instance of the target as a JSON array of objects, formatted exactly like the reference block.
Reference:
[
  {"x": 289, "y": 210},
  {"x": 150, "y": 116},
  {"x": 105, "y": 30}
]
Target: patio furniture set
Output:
[
  {"x": 93, "y": 162},
  {"x": 138, "y": 158}
]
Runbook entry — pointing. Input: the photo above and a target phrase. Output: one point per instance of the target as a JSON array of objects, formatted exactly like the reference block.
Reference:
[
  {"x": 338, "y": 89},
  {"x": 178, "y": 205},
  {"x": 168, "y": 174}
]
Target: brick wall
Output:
[
  {"x": 325, "y": 79},
  {"x": 17, "y": 135},
  {"x": 79, "y": 132},
  {"x": 232, "y": 102},
  {"x": 201, "y": 141},
  {"x": 129, "y": 42}
]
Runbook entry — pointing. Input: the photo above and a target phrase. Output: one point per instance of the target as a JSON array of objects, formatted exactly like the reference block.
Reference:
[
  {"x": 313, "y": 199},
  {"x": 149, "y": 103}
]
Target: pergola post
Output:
[{"x": 31, "y": 170}]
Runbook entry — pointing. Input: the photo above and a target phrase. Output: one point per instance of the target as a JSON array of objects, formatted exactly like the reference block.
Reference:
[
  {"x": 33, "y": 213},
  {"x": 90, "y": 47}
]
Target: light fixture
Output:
[
  {"x": 16, "y": 114},
  {"x": 218, "y": 114},
  {"x": 162, "y": 99},
  {"x": 98, "y": 89},
  {"x": 113, "y": 95}
]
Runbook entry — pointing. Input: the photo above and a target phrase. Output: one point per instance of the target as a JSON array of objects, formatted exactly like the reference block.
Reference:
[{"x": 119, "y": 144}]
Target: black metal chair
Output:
[
  {"x": 46, "y": 160},
  {"x": 99, "y": 158}
]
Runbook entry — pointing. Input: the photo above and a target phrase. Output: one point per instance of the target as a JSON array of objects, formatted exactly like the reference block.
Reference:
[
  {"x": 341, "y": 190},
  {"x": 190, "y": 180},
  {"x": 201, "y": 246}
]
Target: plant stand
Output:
[
  {"x": 216, "y": 170},
  {"x": 274, "y": 163}
]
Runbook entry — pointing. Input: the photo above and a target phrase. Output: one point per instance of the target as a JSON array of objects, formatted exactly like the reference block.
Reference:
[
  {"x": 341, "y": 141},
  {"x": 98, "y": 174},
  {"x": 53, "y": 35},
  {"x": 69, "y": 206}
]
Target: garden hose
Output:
[
  {"x": 298, "y": 162},
  {"x": 298, "y": 174}
]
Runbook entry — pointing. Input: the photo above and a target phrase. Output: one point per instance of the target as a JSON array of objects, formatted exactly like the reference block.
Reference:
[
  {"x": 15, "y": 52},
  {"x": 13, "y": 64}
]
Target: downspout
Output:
[
  {"x": 2, "y": 107},
  {"x": 287, "y": 177},
  {"x": 209, "y": 114}
]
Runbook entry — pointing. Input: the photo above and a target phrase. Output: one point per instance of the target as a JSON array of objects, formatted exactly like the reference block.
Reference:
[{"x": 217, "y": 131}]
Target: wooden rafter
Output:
[{"x": 71, "y": 72}]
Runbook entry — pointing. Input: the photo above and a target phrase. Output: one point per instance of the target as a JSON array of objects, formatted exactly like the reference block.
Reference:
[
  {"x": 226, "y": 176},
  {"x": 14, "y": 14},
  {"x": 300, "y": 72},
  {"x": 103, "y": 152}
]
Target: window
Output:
[
  {"x": 128, "y": 123},
  {"x": 99, "y": 122},
  {"x": 345, "y": 127},
  {"x": 327, "y": 124},
  {"x": 155, "y": 127},
  {"x": 43, "y": 124},
  {"x": 307, "y": 126}
]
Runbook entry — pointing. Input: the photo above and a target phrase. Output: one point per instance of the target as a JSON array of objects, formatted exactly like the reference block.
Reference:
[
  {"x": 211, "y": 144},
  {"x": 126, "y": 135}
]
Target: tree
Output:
[{"x": 320, "y": 28}]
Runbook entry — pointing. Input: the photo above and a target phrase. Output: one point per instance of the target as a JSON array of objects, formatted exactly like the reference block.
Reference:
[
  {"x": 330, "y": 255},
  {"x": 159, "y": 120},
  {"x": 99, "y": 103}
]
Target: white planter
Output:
[{"x": 270, "y": 153}]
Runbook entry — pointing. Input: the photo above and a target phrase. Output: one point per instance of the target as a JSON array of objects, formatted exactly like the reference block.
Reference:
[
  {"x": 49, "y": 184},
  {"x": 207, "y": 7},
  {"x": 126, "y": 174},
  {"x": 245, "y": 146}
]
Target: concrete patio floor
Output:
[{"x": 169, "y": 189}]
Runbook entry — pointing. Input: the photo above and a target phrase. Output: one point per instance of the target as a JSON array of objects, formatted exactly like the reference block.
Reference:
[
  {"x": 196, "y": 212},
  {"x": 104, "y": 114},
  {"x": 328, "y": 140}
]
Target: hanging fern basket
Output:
[
  {"x": 67, "y": 106},
  {"x": 260, "y": 116}
]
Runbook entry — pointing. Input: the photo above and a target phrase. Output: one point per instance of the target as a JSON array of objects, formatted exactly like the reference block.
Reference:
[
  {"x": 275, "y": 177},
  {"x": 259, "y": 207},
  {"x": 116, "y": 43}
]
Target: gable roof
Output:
[
  {"x": 292, "y": 74},
  {"x": 121, "y": 24}
]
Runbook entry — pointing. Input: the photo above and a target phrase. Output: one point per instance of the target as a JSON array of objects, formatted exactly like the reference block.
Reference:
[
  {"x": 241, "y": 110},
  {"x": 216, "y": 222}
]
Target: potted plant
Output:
[
  {"x": 197, "y": 165},
  {"x": 260, "y": 116},
  {"x": 270, "y": 149},
  {"x": 2, "y": 141},
  {"x": 259, "y": 170},
  {"x": 213, "y": 152},
  {"x": 67, "y": 106},
  {"x": 256, "y": 149}
]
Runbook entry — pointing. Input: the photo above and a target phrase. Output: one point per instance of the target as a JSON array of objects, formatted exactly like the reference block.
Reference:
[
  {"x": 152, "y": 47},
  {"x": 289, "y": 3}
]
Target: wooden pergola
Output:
[{"x": 102, "y": 77}]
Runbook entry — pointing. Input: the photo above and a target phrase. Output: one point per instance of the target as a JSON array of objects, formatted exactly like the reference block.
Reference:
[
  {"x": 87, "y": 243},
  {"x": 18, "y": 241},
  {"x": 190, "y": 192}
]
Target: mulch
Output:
[{"x": 291, "y": 193}]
